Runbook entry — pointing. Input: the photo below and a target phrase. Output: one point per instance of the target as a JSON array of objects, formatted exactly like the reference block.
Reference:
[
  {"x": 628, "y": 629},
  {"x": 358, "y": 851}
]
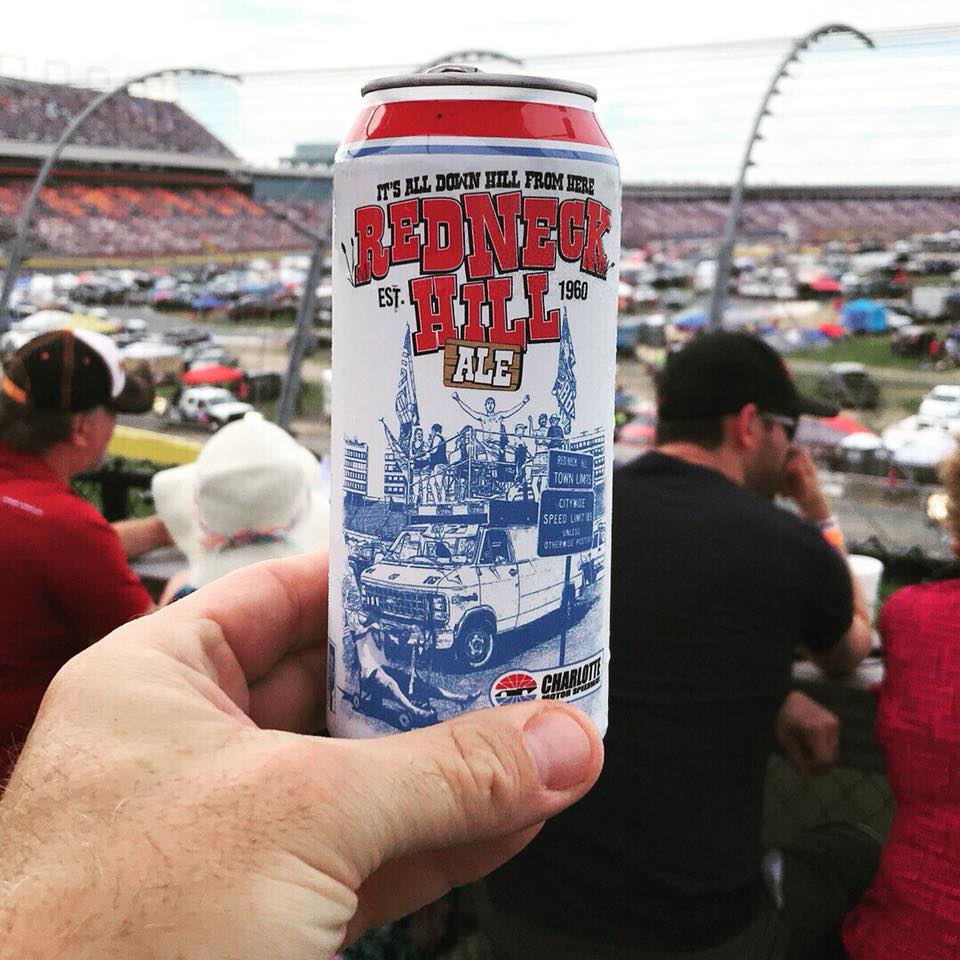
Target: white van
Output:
[{"x": 464, "y": 584}]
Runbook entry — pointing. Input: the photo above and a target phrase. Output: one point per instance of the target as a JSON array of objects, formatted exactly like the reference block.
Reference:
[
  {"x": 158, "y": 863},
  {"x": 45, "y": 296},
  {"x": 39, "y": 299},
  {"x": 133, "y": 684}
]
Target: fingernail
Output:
[{"x": 560, "y": 748}]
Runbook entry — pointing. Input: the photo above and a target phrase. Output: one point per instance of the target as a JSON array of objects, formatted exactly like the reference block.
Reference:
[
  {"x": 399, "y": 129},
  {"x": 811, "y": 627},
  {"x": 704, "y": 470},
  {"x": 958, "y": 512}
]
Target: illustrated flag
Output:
[
  {"x": 406, "y": 402},
  {"x": 565, "y": 386},
  {"x": 398, "y": 450}
]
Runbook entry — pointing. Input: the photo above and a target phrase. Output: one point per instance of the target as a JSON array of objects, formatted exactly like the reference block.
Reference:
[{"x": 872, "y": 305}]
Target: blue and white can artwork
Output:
[{"x": 476, "y": 239}]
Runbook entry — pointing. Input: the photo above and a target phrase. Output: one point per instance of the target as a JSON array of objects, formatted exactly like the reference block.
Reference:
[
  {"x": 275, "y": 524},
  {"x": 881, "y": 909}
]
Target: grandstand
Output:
[
  {"x": 143, "y": 180},
  {"x": 806, "y": 214}
]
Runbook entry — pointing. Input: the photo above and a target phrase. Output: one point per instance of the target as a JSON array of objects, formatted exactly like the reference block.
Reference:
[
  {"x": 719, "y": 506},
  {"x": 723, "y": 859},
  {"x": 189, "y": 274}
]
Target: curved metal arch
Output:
[
  {"x": 718, "y": 296},
  {"x": 469, "y": 56}
]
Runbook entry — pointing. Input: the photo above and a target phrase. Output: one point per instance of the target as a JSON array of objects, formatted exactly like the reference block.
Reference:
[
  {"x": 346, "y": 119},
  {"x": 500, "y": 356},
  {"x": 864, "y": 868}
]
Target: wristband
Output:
[{"x": 831, "y": 532}]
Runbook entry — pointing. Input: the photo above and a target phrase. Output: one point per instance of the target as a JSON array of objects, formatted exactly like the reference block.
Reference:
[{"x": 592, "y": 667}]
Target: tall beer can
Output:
[{"x": 476, "y": 236}]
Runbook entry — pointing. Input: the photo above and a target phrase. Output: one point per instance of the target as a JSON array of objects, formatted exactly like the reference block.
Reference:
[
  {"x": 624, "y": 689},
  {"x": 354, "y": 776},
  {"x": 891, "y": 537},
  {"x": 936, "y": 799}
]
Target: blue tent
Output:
[{"x": 864, "y": 316}]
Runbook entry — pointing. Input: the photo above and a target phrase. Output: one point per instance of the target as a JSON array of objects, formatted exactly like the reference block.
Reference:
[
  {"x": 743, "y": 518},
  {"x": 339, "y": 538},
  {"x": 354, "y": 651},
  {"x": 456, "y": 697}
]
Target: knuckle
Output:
[{"x": 480, "y": 768}]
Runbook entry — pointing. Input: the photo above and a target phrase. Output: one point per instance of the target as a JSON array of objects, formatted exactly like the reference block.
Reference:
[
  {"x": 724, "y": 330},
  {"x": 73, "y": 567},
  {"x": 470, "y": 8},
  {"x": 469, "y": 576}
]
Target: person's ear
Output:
[
  {"x": 80, "y": 430},
  {"x": 746, "y": 428}
]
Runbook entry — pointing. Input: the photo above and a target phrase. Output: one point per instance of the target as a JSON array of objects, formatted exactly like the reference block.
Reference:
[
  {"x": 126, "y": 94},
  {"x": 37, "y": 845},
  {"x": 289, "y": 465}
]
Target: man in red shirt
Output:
[{"x": 65, "y": 581}]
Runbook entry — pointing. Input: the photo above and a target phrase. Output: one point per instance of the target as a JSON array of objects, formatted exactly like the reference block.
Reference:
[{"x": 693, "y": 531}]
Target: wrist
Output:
[
  {"x": 829, "y": 528},
  {"x": 815, "y": 509}
]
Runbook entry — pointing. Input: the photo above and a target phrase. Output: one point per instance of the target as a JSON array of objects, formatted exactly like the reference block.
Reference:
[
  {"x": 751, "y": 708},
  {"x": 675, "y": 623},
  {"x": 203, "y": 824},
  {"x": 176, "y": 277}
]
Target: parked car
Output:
[
  {"x": 258, "y": 305},
  {"x": 849, "y": 385},
  {"x": 215, "y": 406},
  {"x": 263, "y": 385},
  {"x": 186, "y": 336},
  {"x": 942, "y": 402},
  {"x": 203, "y": 355},
  {"x": 912, "y": 341}
]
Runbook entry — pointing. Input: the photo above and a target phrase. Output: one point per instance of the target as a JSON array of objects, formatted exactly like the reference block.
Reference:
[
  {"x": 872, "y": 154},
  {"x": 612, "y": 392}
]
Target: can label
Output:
[{"x": 475, "y": 297}]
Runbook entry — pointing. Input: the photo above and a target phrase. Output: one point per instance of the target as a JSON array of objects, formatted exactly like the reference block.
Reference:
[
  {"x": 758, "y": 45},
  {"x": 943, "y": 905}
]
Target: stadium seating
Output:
[
  {"x": 38, "y": 112},
  {"x": 134, "y": 216},
  {"x": 79, "y": 220},
  {"x": 647, "y": 219}
]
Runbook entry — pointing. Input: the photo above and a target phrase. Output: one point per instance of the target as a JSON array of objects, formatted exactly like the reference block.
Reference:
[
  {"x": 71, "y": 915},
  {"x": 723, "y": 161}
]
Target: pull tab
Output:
[{"x": 453, "y": 68}]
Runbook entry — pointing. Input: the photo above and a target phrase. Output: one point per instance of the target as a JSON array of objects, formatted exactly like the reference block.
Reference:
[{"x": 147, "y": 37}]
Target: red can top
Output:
[{"x": 462, "y": 103}]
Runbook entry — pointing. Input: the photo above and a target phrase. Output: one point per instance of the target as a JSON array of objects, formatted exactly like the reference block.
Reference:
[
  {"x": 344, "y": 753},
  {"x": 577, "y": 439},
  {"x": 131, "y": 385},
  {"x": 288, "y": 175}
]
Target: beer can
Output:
[{"x": 476, "y": 237}]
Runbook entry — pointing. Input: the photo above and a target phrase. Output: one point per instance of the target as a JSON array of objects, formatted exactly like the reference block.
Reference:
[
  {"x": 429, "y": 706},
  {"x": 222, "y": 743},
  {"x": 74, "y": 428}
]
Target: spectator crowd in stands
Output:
[
  {"x": 812, "y": 220},
  {"x": 82, "y": 220},
  {"x": 39, "y": 112},
  {"x": 75, "y": 219}
]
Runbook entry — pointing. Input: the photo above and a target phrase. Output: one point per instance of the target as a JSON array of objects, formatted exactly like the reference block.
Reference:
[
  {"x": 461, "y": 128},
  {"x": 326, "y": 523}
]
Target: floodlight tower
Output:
[{"x": 718, "y": 297}]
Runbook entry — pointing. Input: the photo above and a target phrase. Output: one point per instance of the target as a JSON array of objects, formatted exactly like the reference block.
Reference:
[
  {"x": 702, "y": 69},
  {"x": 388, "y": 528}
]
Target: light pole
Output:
[
  {"x": 718, "y": 296},
  {"x": 26, "y": 214},
  {"x": 290, "y": 386}
]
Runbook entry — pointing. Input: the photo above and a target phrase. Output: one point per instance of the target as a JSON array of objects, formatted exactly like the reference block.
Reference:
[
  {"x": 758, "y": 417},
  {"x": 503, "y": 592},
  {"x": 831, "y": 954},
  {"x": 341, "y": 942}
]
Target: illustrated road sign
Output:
[
  {"x": 569, "y": 471},
  {"x": 566, "y": 522}
]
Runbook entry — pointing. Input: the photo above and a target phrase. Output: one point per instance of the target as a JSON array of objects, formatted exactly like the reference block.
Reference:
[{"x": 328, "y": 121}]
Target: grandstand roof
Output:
[
  {"x": 126, "y": 129},
  {"x": 76, "y": 153}
]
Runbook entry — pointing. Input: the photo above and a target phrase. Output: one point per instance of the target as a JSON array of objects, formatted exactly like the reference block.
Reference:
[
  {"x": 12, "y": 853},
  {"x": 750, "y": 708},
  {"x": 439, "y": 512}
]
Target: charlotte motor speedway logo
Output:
[{"x": 568, "y": 682}]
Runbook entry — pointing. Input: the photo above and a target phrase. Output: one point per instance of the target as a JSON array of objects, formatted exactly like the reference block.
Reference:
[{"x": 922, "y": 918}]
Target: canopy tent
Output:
[
  {"x": 864, "y": 316},
  {"x": 833, "y": 330},
  {"x": 209, "y": 375},
  {"x": 828, "y": 431}
]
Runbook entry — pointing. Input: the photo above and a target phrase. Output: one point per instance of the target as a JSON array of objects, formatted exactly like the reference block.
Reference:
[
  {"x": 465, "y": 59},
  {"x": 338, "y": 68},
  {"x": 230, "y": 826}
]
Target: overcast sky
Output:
[{"x": 677, "y": 88}]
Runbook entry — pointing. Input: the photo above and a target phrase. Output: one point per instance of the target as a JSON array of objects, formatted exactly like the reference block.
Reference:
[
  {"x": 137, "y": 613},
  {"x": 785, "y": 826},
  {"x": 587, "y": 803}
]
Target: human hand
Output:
[
  {"x": 808, "y": 733},
  {"x": 161, "y": 806},
  {"x": 801, "y": 483}
]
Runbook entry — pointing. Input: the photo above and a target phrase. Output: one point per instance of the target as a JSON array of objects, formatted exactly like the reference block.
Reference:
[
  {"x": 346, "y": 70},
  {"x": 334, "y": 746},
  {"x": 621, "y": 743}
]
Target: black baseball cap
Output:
[
  {"x": 70, "y": 371},
  {"x": 720, "y": 373}
]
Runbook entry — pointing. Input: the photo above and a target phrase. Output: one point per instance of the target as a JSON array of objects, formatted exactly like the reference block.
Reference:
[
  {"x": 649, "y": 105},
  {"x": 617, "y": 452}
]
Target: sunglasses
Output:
[{"x": 789, "y": 424}]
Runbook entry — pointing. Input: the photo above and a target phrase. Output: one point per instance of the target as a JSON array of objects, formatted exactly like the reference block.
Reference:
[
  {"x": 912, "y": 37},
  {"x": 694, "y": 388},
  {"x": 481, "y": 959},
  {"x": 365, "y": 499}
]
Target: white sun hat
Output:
[{"x": 253, "y": 494}]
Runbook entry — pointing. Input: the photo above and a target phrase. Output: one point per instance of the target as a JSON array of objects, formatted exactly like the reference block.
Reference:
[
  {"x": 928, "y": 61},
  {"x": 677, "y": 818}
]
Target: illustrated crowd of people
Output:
[
  {"x": 165, "y": 798},
  {"x": 483, "y": 460}
]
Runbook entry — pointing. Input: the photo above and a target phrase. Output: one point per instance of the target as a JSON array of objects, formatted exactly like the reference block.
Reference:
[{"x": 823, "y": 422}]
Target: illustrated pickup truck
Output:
[{"x": 466, "y": 584}]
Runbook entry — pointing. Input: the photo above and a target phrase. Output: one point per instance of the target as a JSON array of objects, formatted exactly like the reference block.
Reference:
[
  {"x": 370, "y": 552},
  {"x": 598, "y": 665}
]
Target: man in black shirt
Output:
[{"x": 713, "y": 590}]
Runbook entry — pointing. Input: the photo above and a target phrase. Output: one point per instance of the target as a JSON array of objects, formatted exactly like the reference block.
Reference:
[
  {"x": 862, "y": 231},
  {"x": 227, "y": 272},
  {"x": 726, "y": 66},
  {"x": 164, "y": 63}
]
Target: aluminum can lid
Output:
[{"x": 465, "y": 75}]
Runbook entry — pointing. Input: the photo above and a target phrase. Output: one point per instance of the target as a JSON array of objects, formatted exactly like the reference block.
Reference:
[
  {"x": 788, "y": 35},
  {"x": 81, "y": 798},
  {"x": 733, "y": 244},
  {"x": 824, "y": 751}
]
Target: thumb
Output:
[{"x": 478, "y": 777}]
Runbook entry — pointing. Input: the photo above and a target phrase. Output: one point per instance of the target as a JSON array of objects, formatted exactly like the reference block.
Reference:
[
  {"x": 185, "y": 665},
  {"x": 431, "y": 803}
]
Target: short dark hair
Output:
[
  {"x": 706, "y": 432},
  {"x": 30, "y": 430}
]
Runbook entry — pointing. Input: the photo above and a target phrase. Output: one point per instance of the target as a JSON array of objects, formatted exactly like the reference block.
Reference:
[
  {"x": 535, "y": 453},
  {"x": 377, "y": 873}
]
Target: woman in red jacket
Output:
[{"x": 912, "y": 910}]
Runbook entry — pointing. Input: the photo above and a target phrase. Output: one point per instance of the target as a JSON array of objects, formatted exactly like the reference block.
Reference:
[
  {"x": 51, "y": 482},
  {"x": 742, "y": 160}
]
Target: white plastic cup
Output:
[{"x": 868, "y": 572}]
